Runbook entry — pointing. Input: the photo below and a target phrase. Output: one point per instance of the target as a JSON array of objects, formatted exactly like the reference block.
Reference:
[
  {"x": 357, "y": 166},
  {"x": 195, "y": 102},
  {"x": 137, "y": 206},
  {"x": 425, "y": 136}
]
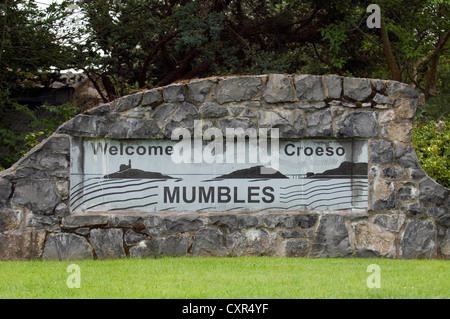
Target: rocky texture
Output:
[
  {"x": 279, "y": 89},
  {"x": 418, "y": 240},
  {"x": 39, "y": 196},
  {"x": 27, "y": 245},
  {"x": 408, "y": 214},
  {"x": 331, "y": 239},
  {"x": 357, "y": 89},
  {"x": 381, "y": 152},
  {"x": 235, "y": 89},
  {"x": 357, "y": 124},
  {"x": 108, "y": 243},
  {"x": 309, "y": 87},
  {"x": 66, "y": 246},
  {"x": 372, "y": 241}
]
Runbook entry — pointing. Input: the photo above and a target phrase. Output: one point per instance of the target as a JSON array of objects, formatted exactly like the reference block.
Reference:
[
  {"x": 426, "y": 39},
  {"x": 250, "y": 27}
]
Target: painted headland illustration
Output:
[{"x": 112, "y": 175}]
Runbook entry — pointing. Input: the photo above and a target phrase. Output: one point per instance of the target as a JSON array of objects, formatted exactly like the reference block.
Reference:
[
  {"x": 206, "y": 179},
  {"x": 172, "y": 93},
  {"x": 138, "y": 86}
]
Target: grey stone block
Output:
[
  {"x": 163, "y": 112},
  {"x": 235, "y": 123},
  {"x": 406, "y": 193},
  {"x": 108, "y": 243},
  {"x": 5, "y": 191},
  {"x": 432, "y": 192},
  {"x": 296, "y": 247},
  {"x": 332, "y": 238},
  {"x": 278, "y": 220},
  {"x": 212, "y": 110},
  {"x": 151, "y": 97},
  {"x": 132, "y": 238},
  {"x": 183, "y": 118},
  {"x": 333, "y": 84},
  {"x": 199, "y": 90},
  {"x": 309, "y": 87},
  {"x": 389, "y": 222},
  {"x": 127, "y": 102},
  {"x": 319, "y": 124},
  {"x": 174, "y": 93},
  {"x": 77, "y": 221},
  {"x": 357, "y": 124},
  {"x": 235, "y": 111},
  {"x": 174, "y": 246},
  {"x": 414, "y": 210},
  {"x": 418, "y": 174},
  {"x": 57, "y": 144},
  {"x": 288, "y": 122},
  {"x": 409, "y": 159},
  {"x": 235, "y": 89},
  {"x": 381, "y": 152},
  {"x": 26, "y": 172},
  {"x": 441, "y": 214},
  {"x": 65, "y": 246},
  {"x": 182, "y": 223},
  {"x": 209, "y": 242},
  {"x": 39, "y": 196},
  {"x": 39, "y": 221},
  {"x": 278, "y": 89},
  {"x": 102, "y": 109},
  {"x": 397, "y": 89},
  {"x": 224, "y": 220},
  {"x": 248, "y": 220},
  {"x": 357, "y": 89},
  {"x": 54, "y": 162},
  {"x": 291, "y": 233},
  {"x": 393, "y": 172},
  {"x": 306, "y": 221},
  {"x": 85, "y": 125},
  {"x": 126, "y": 221},
  {"x": 418, "y": 240},
  {"x": 146, "y": 249},
  {"x": 133, "y": 128},
  {"x": 382, "y": 99}
]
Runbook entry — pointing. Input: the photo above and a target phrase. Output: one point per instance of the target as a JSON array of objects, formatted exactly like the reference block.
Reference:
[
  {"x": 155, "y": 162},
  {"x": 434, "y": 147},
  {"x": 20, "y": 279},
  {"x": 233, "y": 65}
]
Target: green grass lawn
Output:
[{"x": 217, "y": 278}]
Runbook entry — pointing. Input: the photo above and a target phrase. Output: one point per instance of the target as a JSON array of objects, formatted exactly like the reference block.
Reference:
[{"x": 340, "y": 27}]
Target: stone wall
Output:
[{"x": 408, "y": 214}]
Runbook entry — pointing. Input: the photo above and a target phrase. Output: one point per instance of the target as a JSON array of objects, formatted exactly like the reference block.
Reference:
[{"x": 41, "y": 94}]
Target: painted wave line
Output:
[
  {"x": 349, "y": 198},
  {"x": 100, "y": 189},
  {"x": 112, "y": 193},
  {"x": 322, "y": 180},
  {"x": 120, "y": 201},
  {"x": 136, "y": 206},
  {"x": 309, "y": 208},
  {"x": 327, "y": 187},
  {"x": 100, "y": 183},
  {"x": 330, "y": 191}
]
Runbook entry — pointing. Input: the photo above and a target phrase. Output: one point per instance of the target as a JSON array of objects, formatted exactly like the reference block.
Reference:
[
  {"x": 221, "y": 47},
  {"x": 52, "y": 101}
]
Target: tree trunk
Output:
[
  {"x": 431, "y": 80},
  {"x": 395, "y": 70}
]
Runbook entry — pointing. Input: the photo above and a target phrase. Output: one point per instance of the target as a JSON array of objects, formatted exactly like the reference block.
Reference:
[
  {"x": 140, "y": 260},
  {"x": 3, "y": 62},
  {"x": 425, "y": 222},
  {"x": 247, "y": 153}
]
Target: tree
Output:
[
  {"x": 133, "y": 44},
  {"x": 32, "y": 52}
]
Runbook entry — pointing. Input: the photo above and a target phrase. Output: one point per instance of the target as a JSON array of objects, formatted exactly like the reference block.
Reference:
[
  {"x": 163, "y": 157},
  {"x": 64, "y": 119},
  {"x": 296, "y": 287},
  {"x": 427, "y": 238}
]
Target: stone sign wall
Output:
[{"x": 51, "y": 208}]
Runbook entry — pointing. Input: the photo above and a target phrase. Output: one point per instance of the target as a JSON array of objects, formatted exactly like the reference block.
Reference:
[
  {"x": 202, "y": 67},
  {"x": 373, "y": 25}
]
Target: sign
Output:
[{"x": 141, "y": 175}]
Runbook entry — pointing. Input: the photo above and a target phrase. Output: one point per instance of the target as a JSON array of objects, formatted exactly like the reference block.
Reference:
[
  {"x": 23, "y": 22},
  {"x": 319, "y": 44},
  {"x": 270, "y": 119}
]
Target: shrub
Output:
[
  {"x": 14, "y": 145},
  {"x": 432, "y": 144}
]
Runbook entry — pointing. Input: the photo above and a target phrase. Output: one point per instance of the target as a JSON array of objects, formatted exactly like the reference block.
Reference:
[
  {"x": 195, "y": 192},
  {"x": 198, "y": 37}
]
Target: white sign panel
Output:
[{"x": 141, "y": 175}]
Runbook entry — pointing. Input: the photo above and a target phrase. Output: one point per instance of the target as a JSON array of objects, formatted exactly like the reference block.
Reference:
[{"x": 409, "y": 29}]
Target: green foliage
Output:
[
  {"x": 432, "y": 144},
  {"x": 17, "y": 145}
]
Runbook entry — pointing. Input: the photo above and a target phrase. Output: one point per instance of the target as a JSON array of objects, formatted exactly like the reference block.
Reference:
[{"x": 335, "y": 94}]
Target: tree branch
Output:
[
  {"x": 97, "y": 87},
  {"x": 151, "y": 55},
  {"x": 395, "y": 71}
]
